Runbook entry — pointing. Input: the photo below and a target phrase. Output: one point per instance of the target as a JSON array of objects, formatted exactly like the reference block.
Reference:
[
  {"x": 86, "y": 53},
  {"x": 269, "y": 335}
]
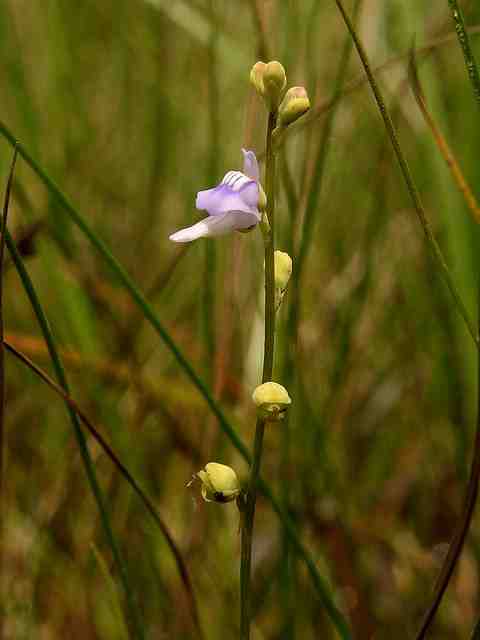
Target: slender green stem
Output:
[
  {"x": 319, "y": 583},
  {"x": 210, "y": 268},
  {"x": 135, "y": 621},
  {"x": 270, "y": 170},
  {"x": 268, "y": 354},
  {"x": 407, "y": 175},
  {"x": 6, "y": 203},
  {"x": 463, "y": 525},
  {"x": 307, "y": 236},
  {"x": 464, "y": 40},
  {"x": 320, "y": 161}
]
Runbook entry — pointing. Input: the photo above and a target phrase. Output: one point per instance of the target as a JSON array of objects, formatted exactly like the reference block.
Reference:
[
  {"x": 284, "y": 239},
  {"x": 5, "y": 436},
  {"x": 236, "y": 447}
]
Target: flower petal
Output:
[
  {"x": 216, "y": 226},
  {"x": 236, "y": 192},
  {"x": 250, "y": 165}
]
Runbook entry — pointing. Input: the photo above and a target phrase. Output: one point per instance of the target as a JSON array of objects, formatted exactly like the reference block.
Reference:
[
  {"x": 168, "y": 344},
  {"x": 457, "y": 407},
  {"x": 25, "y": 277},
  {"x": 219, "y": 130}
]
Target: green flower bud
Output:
[
  {"x": 256, "y": 76},
  {"x": 271, "y": 400},
  {"x": 219, "y": 483},
  {"x": 293, "y": 106},
  {"x": 262, "y": 198},
  {"x": 283, "y": 269},
  {"x": 274, "y": 83}
]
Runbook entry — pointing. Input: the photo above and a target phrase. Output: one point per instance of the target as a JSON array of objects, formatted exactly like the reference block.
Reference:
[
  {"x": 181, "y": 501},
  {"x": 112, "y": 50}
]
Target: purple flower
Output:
[{"x": 232, "y": 205}]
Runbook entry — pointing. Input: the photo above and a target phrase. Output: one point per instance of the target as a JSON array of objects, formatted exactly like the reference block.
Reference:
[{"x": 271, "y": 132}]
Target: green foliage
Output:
[{"x": 131, "y": 107}]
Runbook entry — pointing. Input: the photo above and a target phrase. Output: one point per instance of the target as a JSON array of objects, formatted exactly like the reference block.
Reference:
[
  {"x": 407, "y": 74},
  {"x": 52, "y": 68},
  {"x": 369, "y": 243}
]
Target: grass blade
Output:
[
  {"x": 6, "y": 203},
  {"x": 463, "y": 525},
  {"x": 134, "y": 617},
  {"x": 94, "y": 432},
  {"x": 441, "y": 143}
]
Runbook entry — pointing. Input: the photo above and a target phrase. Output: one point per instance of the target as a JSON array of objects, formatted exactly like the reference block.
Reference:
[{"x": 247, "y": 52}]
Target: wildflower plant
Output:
[
  {"x": 239, "y": 203},
  {"x": 244, "y": 201}
]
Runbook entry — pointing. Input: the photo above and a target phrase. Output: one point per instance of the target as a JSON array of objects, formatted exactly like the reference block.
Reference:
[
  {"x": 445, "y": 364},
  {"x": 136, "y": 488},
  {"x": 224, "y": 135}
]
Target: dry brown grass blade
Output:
[
  {"x": 181, "y": 565},
  {"x": 440, "y": 141}
]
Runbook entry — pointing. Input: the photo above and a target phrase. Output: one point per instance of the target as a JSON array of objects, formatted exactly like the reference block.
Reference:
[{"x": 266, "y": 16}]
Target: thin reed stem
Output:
[
  {"x": 135, "y": 621},
  {"x": 306, "y": 239},
  {"x": 268, "y": 355},
  {"x": 6, "y": 203},
  {"x": 320, "y": 161},
  {"x": 464, "y": 41},
  {"x": 148, "y": 503},
  {"x": 463, "y": 525},
  {"x": 210, "y": 267}
]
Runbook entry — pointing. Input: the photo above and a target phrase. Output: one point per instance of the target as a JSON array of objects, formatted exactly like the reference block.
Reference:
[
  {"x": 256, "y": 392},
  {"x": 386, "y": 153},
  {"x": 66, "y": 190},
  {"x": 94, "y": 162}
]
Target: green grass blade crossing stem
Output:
[{"x": 134, "y": 617}]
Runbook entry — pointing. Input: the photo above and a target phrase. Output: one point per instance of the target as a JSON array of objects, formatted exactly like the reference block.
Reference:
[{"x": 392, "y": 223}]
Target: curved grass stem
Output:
[
  {"x": 463, "y": 525},
  {"x": 134, "y": 618},
  {"x": 6, "y": 203},
  {"x": 148, "y": 503}
]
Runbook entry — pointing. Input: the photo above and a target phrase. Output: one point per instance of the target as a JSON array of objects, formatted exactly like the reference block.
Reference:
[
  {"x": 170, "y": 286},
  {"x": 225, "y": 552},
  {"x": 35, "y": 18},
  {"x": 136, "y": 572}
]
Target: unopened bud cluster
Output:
[{"x": 270, "y": 81}]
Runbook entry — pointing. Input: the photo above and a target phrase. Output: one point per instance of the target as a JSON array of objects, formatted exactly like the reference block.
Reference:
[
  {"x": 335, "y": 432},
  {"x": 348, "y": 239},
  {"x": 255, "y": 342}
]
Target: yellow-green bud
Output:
[
  {"x": 293, "y": 106},
  {"x": 271, "y": 400},
  {"x": 219, "y": 483},
  {"x": 274, "y": 83},
  {"x": 262, "y": 198},
  {"x": 283, "y": 269},
  {"x": 256, "y": 76}
]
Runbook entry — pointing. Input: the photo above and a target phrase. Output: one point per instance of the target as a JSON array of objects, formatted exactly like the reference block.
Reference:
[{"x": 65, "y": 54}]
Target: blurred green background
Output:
[{"x": 132, "y": 107}]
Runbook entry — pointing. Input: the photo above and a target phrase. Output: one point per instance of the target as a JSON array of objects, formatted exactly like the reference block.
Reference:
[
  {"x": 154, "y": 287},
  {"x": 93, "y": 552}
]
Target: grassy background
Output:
[{"x": 132, "y": 106}]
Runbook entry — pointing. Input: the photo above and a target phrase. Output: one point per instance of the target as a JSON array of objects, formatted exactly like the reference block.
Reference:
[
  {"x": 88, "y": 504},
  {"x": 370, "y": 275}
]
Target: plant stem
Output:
[
  {"x": 463, "y": 525},
  {"x": 464, "y": 40},
  {"x": 3, "y": 511},
  {"x": 269, "y": 346},
  {"x": 135, "y": 622},
  {"x": 148, "y": 503}
]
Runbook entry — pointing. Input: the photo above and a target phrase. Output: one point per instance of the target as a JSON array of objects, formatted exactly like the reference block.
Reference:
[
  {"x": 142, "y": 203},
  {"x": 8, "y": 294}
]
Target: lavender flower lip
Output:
[{"x": 233, "y": 205}]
